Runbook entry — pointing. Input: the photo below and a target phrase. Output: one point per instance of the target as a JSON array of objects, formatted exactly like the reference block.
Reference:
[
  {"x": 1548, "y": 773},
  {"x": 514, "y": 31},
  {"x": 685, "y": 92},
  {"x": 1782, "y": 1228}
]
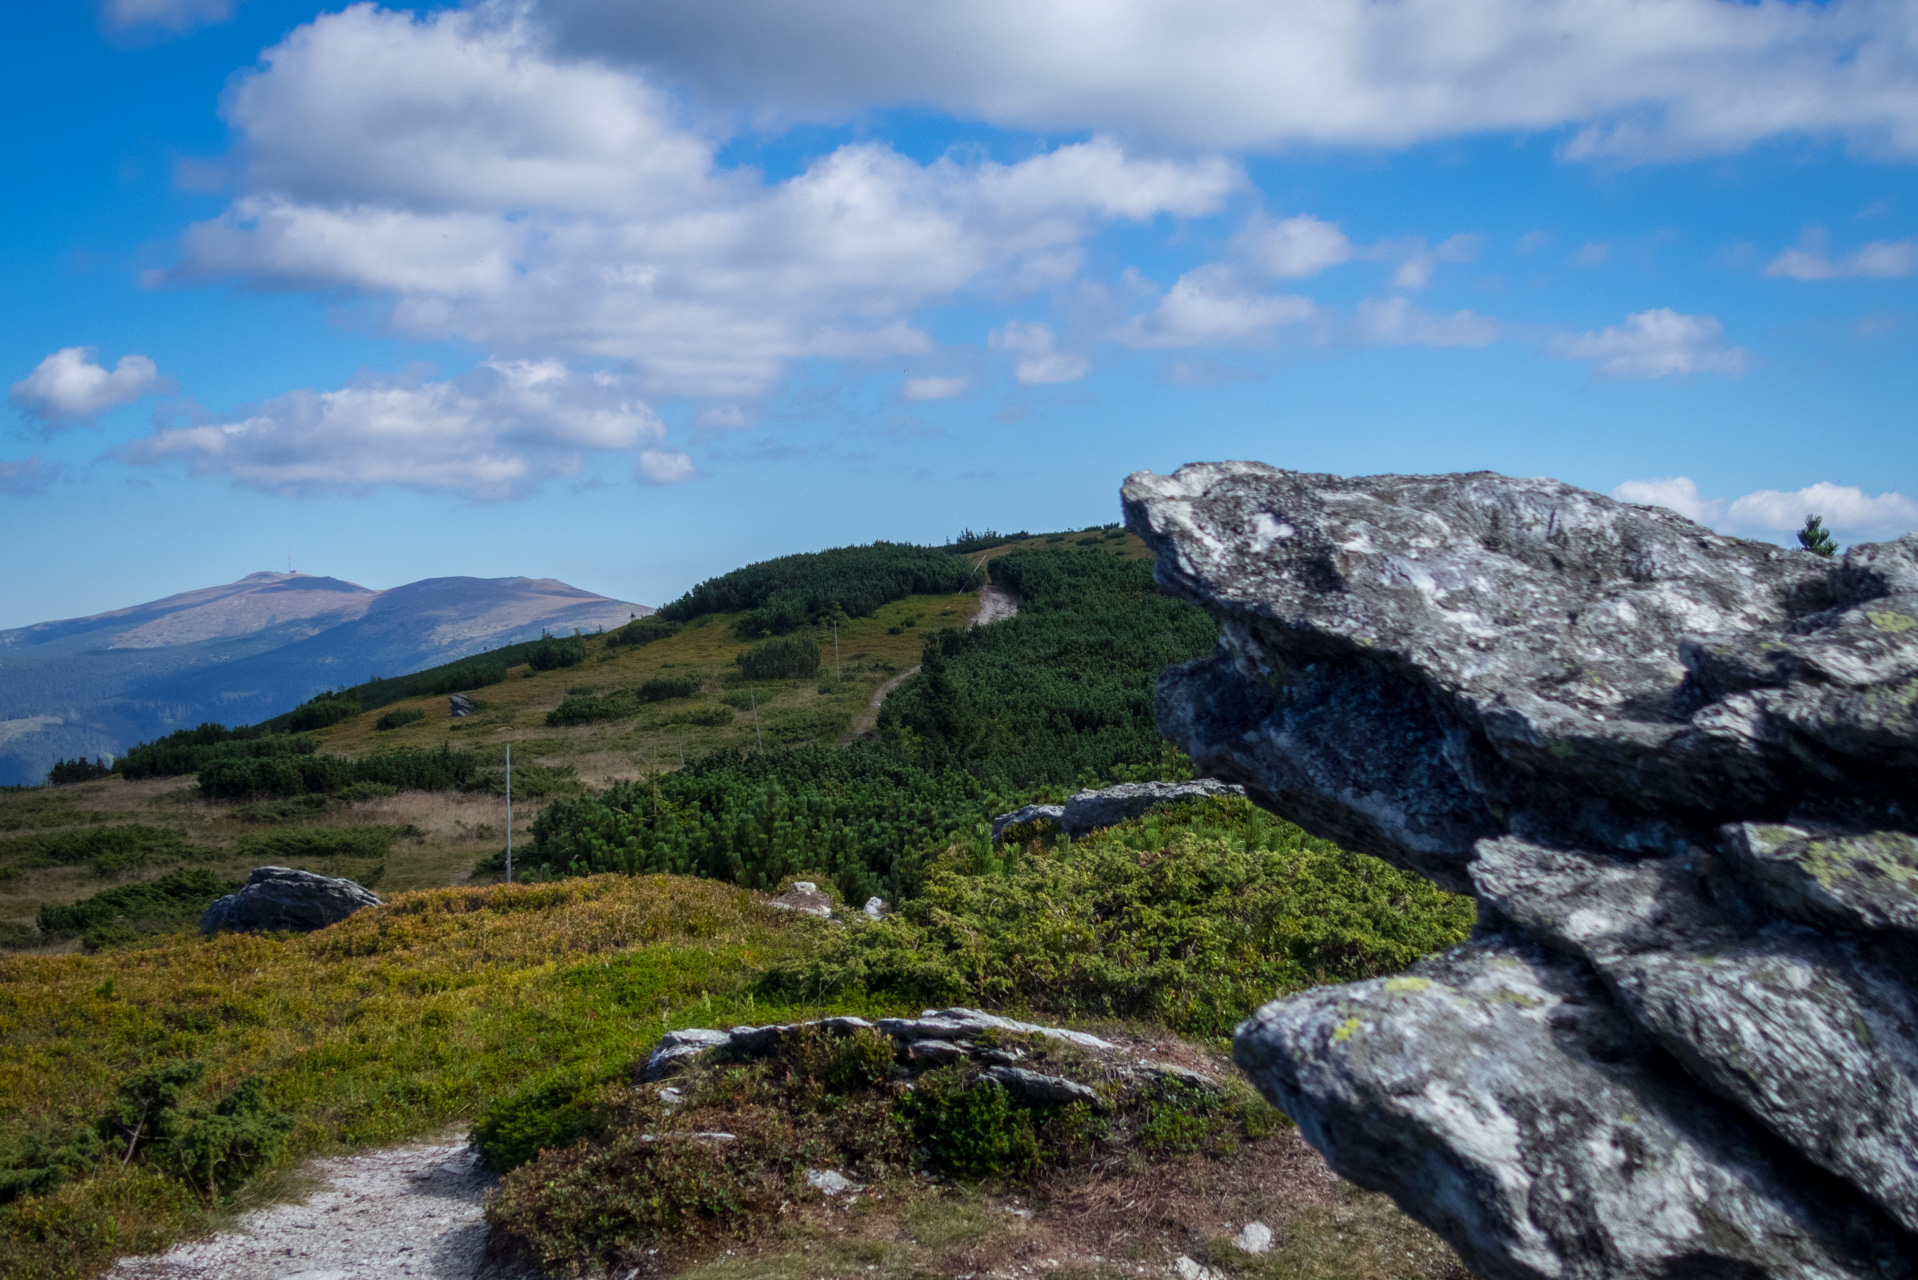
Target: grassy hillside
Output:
[{"x": 654, "y": 750}]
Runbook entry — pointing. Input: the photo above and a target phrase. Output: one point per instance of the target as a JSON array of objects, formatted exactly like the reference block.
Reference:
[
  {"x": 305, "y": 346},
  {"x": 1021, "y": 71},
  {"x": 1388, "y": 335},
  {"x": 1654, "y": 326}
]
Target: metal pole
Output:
[
  {"x": 756, "y": 734},
  {"x": 835, "y": 651},
  {"x": 509, "y": 813}
]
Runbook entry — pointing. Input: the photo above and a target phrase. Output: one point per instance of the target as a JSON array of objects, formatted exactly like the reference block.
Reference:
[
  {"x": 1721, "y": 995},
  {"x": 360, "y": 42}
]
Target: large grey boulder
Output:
[
  {"x": 1680, "y": 773},
  {"x": 285, "y": 899}
]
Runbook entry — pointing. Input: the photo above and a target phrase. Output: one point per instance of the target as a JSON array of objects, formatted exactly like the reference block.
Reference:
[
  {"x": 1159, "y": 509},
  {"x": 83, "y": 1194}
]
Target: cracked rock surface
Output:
[{"x": 1679, "y": 772}]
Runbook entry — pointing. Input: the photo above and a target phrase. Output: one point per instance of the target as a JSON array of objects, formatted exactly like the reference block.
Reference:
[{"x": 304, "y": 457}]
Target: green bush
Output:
[
  {"x": 969, "y": 1127},
  {"x": 644, "y": 631},
  {"x": 132, "y": 911},
  {"x": 79, "y": 769},
  {"x": 285, "y": 845},
  {"x": 551, "y": 653},
  {"x": 661, "y": 688},
  {"x": 109, "y": 850},
  {"x": 783, "y": 595},
  {"x": 1059, "y": 695},
  {"x": 585, "y": 710},
  {"x": 862, "y": 814},
  {"x": 321, "y": 711},
  {"x": 354, "y": 792},
  {"x": 1191, "y": 918},
  {"x": 794, "y": 657},
  {"x": 404, "y": 768},
  {"x": 399, "y": 719},
  {"x": 153, "y": 1119},
  {"x": 190, "y": 750},
  {"x": 548, "y": 1113}
]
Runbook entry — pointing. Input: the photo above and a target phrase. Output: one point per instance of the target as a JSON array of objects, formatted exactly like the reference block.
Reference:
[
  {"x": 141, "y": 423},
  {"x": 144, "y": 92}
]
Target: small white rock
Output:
[
  {"x": 805, "y": 886},
  {"x": 876, "y": 907},
  {"x": 1186, "y": 1269},
  {"x": 830, "y": 1182},
  {"x": 1256, "y": 1238}
]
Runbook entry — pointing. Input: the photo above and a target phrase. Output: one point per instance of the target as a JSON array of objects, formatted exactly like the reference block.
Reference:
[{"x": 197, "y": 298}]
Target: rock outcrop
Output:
[
  {"x": 285, "y": 899},
  {"x": 1679, "y": 772},
  {"x": 1087, "y": 811},
  {"x": 937, "y": 1038}
]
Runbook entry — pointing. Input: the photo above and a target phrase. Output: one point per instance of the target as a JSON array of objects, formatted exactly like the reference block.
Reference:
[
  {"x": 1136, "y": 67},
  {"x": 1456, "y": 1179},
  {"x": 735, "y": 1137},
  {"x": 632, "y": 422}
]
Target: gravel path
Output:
[{"x": 401, "y": 1212}]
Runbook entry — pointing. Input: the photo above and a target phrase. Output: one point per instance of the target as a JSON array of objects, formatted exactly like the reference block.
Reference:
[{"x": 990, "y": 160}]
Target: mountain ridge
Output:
[{"x": 247, "y": 650}]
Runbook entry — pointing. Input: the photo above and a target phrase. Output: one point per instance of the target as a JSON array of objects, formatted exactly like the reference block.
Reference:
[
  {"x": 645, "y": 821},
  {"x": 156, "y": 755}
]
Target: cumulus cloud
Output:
[
  {"x": 1213, "y": 305},
  {"x": 1683, "y": 77},
  {"x": 663, "y": 466},
  {"x": 1656, "y": 344},
  {"x": 1291, "y": 248},
  {"x": 1395, "y": 321},
  {"x": 1847, "y": 510},
  {"x": 498, "y": 193},
  {"x": 1879, "y": 260},
  {"x": 167, "y": 15},
  {"x": 496, "y": 432},
  {"x": 69, "y": 387},
  {"x": 1039, "y": 359},
  {"x": 935, "y": 388}
]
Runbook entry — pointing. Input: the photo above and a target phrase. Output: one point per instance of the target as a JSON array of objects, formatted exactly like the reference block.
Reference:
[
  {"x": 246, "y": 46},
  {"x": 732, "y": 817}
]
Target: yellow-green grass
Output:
[
  {"x": 515, "y": 710},
  {"x": 399, "y": 1021}
]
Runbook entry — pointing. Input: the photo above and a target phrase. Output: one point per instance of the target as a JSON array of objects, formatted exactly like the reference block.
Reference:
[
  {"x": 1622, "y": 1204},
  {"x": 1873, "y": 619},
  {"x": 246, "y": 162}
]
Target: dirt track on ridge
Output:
[{"x": 995, "y": 605}]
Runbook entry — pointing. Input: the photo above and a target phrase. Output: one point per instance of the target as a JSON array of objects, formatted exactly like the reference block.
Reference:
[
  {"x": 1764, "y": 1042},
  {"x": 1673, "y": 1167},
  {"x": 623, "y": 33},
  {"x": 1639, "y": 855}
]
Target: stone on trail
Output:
[
  {"x": 284, "y": 899},
  {"x": 1679, "y": 772}
]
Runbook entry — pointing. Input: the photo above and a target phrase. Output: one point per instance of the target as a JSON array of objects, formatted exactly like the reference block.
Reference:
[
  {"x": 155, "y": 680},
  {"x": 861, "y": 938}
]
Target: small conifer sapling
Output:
[{"x": 1815, "y": 538}]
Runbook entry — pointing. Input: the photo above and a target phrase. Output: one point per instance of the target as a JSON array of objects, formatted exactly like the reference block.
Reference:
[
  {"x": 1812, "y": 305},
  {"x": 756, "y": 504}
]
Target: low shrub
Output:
[
  {"x": 399, "y": 719},
  {"x": 792, "y": 657},
  {"x": 321, "y": 711},
  {"x": 109, "y": 850},
  {"x": 354, "y": 792},
  {"x": 661, "y": 688},
  {"x": 287, "y": 845},
  {"x": 621, "y": 1176},
  {"x": 130, "y": 912},
  {"x": 531, "y": 781},
  {"x": 1191, "y": 917},
  {"x": 553, "y": 652},
  {"x": 645, "y": 631},
  {"x": 190, "y": 750},
  {"x": 404, "y": 768},
  {"x": 154, "y": 1119},
  {"x": 586, "y": 709}
]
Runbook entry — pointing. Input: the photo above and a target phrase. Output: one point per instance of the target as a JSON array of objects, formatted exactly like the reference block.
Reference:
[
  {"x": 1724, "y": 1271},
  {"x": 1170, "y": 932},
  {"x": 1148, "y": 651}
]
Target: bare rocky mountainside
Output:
[
  {"x": 1680, "y": 773},
  {"x": 249, "y": 650}
]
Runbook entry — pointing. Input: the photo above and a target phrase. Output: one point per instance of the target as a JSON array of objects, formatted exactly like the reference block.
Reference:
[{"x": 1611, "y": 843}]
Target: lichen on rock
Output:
[{"x": 1680, "y": 773}]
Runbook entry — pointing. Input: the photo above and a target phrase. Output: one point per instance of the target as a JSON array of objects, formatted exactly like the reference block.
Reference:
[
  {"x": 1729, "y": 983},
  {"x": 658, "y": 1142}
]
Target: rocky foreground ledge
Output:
[{"x": 1680, "y": 773}]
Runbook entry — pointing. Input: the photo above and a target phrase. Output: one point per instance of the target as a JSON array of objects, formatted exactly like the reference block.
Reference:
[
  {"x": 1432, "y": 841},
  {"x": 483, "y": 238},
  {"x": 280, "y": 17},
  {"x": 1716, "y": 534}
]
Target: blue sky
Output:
[{"x": 628, "y": 294}]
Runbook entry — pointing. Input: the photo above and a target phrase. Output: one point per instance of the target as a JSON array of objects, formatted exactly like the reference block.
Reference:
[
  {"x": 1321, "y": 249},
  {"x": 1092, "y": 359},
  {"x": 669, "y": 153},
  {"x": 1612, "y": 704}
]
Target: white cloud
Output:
[
  {"x": 1213, "y": 305},
  {"x": 1591, "y": 255},
  {"x": 1040, "y": 360},
  {"x": 1291, "y": 248},
  {"x": 1681, "y": 77},
  {"x": 496, "y": 432},
  {"x": 498, "y": 194},
  {"x": 68, "y": 387},
  {"x": 1879, "y": 260},
  {"x": 1419, "y": 262},
  {"x": 1656, "y": 344},
  {"x": 936, "y": 388},
  {"x": 1396, "y": 321},
  {"x": 170, "y": 15},
  {"x": 1850, "y": 512},
  {"x": 658, "y": 466}
]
